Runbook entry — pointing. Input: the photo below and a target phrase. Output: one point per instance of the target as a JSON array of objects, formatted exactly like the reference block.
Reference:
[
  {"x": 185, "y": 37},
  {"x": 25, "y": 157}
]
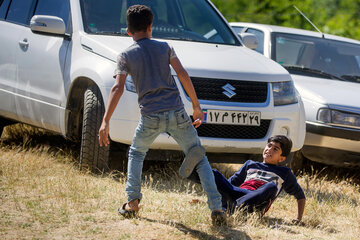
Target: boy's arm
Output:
[
  {"x": 114, "y": 97},
  {"x": 301, "y": 208},
  {"x": 239, "y": 177},
  {"x": 185, "y": 80},
  {"x": 292, "y": 187}
]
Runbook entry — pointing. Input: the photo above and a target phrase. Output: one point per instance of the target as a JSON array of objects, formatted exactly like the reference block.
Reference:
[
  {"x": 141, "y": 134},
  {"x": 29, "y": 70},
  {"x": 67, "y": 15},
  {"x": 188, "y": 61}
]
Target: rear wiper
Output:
[
  {"x": 352, "y": 78},
  {"x": 314, "y": 71}
]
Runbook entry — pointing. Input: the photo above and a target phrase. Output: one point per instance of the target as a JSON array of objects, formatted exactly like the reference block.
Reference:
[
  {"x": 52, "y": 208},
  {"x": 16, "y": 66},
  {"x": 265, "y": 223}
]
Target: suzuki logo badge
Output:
[{"x": 229, "y": 90}]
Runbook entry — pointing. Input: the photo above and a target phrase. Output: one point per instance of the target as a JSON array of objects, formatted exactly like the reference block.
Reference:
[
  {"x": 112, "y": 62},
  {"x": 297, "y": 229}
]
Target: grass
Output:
[{"x": 44, "y": 195}]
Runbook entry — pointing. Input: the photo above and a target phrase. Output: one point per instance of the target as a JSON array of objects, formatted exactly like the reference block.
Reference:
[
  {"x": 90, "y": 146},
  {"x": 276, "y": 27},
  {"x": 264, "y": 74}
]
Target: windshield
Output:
[
  {"x": 310, "y": 55},
  {"x": 188, "y": 20}
]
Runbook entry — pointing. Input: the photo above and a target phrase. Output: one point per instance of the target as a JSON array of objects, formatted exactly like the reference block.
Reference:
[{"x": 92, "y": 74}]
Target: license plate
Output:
[{"x": 232, "y": 117}]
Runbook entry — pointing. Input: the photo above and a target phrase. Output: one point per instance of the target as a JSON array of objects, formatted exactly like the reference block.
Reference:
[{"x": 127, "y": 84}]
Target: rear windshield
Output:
[{"x": 187, "y": 20}]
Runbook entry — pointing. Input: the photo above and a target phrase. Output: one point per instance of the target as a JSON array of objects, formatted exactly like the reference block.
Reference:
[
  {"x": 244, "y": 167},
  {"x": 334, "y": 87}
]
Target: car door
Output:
[
  {"x": 13, "y": 21},
  {"x": 41, "y": 69}
]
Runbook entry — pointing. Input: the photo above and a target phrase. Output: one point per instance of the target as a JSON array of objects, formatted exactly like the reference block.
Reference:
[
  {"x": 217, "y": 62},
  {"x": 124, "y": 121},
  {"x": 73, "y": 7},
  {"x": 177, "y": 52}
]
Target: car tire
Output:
[
  {"x": 297, "y": 162},
  {"x": 1, "y": 129},
  {"x": 3, "y": 123},
  {"x": 92, "y": 156}
]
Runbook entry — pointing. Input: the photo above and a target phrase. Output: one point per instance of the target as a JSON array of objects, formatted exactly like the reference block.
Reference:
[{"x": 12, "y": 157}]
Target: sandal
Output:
[
  {"x": 127, "y": 213},
  {"x": 191, "y": 160},
  {"x": 218, "y": 218}
]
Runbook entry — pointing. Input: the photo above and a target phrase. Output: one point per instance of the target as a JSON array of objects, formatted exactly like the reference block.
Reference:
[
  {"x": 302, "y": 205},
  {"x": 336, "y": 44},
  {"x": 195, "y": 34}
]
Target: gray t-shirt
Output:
[{"x": 147, "y": 61}]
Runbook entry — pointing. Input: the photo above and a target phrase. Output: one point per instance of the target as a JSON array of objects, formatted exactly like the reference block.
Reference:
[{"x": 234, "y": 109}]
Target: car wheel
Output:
[
  {"x": 1, "y": 129},
  {"x": 92, "y": 156},
  {"x": 297, "y": 162},
  {"x": 3, "y": 123}
]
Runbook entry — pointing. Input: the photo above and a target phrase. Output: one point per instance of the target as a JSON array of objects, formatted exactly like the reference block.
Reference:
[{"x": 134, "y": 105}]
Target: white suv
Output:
[
  {"x": 57, "y": 60},
  {"x": 326, "y": 72}
]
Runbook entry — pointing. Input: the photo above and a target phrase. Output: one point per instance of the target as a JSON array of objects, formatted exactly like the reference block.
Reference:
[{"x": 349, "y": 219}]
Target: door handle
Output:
[{"x": 24, "y": 43}]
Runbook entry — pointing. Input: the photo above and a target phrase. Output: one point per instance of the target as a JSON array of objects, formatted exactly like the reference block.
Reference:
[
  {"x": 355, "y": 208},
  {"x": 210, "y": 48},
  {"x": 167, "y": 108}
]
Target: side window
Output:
[
  {"x": 58, "y": 8},
  {"x": 4, "y": 5},
  {"x": 288, "y": 51},
  {"x": 19, "y": 11},
  {"x": 260, "y": 36},
  {"x": 358, "y": 60},
  {"x": 237, "y": 29}
]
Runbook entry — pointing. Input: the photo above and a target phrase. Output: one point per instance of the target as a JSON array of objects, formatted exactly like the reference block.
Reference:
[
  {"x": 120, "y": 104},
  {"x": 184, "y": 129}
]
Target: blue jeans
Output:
[
  {"x": 238, "y": 198},
  {"x": 178, "y": 125}
]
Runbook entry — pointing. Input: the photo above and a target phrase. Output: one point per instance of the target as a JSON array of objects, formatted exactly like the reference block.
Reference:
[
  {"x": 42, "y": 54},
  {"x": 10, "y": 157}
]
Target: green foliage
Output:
[{"x": 340, "y": 17}]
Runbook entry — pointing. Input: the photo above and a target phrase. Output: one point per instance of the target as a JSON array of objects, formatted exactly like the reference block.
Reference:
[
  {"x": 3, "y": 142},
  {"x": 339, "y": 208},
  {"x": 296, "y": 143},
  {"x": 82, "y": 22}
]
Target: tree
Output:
[{"x": 340, "y": 17}]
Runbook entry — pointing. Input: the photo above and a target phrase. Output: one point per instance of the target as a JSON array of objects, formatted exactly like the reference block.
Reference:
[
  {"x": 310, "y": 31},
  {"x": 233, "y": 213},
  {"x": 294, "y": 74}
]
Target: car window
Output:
[
  {"x": 337, "y": 58},
  {"x": 19, "y": 11},
  {"x": 237, "y": 29},
  {"x": 187, "y": 20},
  {"x": 358, "y": 60},
  {"x": 4, "y": 5},
  {"x": 260, "y": 36},
  {"x": 199, "y": 19},
  {"x": 58, "y": 8}
]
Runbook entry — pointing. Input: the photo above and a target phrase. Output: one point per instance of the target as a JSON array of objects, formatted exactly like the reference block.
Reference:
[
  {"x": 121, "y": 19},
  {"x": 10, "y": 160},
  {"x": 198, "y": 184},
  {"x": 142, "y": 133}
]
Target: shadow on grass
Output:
[
  {"x": 225, "y": 232},
  {"x": 321, "y": 197},
  {"x": 282, "y": 225},
  {"x": 334, "y": 173},
  {"x": 26, "y": 137}
]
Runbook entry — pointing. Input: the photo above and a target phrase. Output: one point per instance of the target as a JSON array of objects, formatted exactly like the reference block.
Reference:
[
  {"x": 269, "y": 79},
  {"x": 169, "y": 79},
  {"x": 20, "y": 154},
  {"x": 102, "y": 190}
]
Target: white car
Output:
[
  {"x": 326, "y": 72},
  {"x": 57, "y": 62}
]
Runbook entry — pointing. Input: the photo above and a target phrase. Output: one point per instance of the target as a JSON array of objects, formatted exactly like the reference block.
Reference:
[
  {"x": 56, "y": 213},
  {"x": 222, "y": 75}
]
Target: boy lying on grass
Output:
[{"x": 257, "y": 184}]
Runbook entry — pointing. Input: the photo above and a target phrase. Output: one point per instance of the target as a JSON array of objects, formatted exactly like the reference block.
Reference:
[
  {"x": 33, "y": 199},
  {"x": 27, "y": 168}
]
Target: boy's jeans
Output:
[
  {"x": 238, "y": 198},
  {"x": 178, "y": 124}
]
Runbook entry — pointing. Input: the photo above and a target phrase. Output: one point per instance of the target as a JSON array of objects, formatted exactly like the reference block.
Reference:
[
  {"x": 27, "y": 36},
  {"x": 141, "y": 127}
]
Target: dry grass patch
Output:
[{"x": 45, "y": 196}]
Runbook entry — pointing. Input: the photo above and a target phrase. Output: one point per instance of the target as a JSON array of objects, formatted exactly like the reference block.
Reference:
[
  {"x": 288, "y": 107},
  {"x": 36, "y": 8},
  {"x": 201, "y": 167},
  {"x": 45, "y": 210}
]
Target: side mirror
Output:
[
  {"x": 249, "y": 40},
  {"x": 47, "y": 24}
]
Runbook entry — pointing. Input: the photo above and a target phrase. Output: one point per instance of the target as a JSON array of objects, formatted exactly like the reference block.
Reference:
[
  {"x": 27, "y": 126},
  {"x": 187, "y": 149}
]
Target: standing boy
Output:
[
  {"x": 162, "y": 110},
  {"x": 256, "y": 185}
]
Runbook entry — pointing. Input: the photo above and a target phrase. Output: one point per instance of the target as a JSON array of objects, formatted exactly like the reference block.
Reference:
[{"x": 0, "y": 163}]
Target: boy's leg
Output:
[
  {"x": 185, "y": 135},
  {"x": 229, "y": 192},
  {"x": 258, "y": 199},
  {"x": 192, "y": 158},
  {"x": 146, "y": 132}
]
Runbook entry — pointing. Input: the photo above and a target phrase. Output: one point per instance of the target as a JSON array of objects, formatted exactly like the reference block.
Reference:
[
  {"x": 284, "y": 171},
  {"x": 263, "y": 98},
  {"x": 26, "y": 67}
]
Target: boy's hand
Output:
[
  {"x": 104, "y": 134},
  {"x": 198, "y": 116}
]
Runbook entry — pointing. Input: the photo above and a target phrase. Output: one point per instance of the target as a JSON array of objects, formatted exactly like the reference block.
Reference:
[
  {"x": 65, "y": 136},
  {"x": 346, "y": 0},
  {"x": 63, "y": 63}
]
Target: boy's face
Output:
[{"x": 272, "y": 153}]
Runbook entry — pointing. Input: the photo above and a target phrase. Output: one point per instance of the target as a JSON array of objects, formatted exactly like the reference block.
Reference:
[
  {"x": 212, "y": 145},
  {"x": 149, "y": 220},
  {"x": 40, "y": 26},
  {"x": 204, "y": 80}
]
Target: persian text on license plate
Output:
[{"x": 232, "y": 117}]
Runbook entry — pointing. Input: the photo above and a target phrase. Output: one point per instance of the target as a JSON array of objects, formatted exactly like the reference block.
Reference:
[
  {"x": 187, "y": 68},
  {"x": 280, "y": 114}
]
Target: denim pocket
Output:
[
  {"x": 182, "y": 118},
  {"x": 150, "y": 122}
]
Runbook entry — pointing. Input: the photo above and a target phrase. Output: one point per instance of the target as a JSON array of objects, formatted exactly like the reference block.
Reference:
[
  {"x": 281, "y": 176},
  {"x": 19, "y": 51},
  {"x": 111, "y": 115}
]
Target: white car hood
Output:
[
  {"x": 201, "y": 59},
  {"x": 327, "y": 91}
]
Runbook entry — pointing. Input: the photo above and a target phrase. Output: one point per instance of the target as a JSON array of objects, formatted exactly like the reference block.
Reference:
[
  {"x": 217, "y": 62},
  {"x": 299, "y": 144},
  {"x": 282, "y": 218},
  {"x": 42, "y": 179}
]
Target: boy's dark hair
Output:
[
  {"x": 285, "y": 143},
  {"x": 139, "y": 18}
]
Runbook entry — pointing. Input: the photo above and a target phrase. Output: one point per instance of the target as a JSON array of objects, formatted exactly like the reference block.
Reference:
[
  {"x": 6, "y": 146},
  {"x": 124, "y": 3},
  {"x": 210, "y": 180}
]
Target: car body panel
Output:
[
  {"x": 55, "y": 70},
  {"x": 332, "y": 142}
]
